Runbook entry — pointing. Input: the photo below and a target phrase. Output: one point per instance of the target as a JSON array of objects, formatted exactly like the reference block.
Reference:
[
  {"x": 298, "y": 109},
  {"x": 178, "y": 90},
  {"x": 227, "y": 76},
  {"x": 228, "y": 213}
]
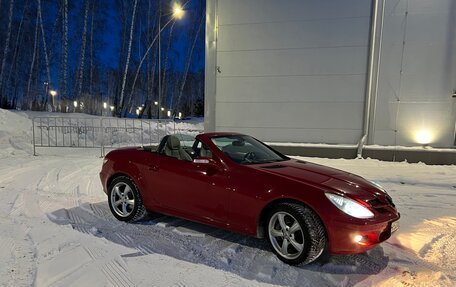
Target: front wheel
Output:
[
  {"x": 295, "y": 233},
  {"x": 125, "y": 200}
]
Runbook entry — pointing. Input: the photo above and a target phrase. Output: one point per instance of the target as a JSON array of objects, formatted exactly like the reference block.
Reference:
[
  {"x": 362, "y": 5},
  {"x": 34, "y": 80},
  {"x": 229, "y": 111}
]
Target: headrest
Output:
[
  {"x": 238, "y": 143},
  {"x": 173, "y": 143}
]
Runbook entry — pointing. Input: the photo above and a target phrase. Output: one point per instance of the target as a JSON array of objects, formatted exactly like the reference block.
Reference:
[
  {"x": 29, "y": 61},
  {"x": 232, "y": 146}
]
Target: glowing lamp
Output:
[
  {"x": 178, "y": 12},
  {"x": 423, "y": 137}
]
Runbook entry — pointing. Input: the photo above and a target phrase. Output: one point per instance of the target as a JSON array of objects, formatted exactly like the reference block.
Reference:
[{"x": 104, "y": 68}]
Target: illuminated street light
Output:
[
  {"x": 140, "y": 108},
  {"x": 169, "y": 114},
  {"x": 53, "y": 93},
  {"x": 105, "y": 105},
  {"x": 156, "y": 103},
  {"x": 178, "y": 12},
  {"x": 138, "y": 112},
  {"x": 180, "y": 115},
  {"x": 162, "y": 109},
  {"x": 75, "y": 104},
  {"x": 112, "y": 108}
]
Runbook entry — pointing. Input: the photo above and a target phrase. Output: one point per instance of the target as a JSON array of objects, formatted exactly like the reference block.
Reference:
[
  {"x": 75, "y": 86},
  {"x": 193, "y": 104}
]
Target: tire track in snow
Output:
[{"x": 116, "y": 274}]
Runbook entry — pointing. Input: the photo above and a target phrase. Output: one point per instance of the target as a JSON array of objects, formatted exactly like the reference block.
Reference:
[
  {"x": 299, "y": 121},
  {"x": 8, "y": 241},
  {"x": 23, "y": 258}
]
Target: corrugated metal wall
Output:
[
  {"x": 292, "y": 70},
  {"x": 417, "y": 73},
  {"x": 295, "y": 70}
]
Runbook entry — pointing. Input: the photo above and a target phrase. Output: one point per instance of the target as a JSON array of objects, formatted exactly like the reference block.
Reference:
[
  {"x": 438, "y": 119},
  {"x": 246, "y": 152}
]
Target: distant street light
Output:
[
  {"x": 53, "y": 93},
  {"x": 105, "y": 105},
  {"x": 156, "y": 103},
  {"x": 112, "y": 108},
  {"x": 75, "y": 104},
  {"x": 162, "y": 109},
  {"x": 169, "y": 114},
  {"x": 180, "y": 115}
]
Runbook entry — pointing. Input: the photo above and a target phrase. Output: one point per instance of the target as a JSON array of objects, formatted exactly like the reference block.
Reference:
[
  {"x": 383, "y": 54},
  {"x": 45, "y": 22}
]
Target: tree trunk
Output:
[
  {"x": 48, "y": 66},
  {"x": 130, "y": 42},
  {"x": 82, "y": 57},
  {"x": 91, "y": 48},
  {"x": 29, "y": 83},
  {"x": 17, "y": 48},
  {"x": 64, "y": 67},
  {"x": 187, "y": 67},
  {"x": 6, "y": 49}
]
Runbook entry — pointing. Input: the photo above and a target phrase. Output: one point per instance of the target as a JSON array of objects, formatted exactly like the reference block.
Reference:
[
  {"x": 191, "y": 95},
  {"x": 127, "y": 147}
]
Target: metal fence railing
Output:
[{"x": 102, "y": 133}]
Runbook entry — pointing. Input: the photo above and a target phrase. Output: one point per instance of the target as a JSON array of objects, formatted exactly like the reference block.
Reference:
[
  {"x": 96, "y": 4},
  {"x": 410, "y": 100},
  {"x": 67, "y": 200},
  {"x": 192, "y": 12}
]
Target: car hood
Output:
[{"x": 329, "y": 178}]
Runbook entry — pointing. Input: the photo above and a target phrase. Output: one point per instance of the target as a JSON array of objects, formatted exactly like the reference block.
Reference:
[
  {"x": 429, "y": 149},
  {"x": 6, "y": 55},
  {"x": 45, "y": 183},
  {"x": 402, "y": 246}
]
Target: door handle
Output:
[{"x": 153, "y": 167}]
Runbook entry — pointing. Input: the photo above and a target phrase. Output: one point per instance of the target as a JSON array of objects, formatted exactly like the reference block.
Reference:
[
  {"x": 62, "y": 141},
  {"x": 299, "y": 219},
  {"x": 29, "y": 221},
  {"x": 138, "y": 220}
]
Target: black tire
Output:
[
  {"x": 135, "y": 211},
  {"x": 311, "y": 236}
]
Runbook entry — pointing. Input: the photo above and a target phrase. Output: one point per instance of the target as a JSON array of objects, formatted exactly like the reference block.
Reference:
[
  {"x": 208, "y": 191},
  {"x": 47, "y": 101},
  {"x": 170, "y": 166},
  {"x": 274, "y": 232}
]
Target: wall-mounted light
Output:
[{"x": 424, "y": 137}]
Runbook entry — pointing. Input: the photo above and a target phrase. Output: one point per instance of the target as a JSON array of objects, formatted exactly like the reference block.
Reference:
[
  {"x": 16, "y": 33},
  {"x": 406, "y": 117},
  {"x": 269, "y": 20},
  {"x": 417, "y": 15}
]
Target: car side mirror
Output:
[
  {"x": 209, "y": 164},
  {"x": 201, "y": 161}
]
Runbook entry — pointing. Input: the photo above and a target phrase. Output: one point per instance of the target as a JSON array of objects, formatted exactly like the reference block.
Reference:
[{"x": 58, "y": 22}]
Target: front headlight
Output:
[{"x": 349, "y": 206}]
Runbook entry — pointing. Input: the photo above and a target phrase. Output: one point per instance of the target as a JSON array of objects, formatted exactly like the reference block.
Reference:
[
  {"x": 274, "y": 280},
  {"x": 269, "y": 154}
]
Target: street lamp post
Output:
[
  {"x": 178, "y": 13},
  {"x": 46, "y": 91}
]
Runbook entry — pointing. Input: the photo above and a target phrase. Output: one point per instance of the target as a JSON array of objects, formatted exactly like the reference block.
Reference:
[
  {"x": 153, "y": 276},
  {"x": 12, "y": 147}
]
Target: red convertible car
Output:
[{"x": 238, "y": 183}]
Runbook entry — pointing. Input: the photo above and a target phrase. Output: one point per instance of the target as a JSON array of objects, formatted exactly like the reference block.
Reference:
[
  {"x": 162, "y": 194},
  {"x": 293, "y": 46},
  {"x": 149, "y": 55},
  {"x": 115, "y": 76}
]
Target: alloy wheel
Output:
[
  {"x": 122, "y": 199},
  {"x": 286, "y": 235}
]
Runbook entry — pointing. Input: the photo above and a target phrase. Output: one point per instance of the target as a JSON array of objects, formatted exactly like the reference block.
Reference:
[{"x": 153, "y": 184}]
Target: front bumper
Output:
[{"x": 350, "y": 238}]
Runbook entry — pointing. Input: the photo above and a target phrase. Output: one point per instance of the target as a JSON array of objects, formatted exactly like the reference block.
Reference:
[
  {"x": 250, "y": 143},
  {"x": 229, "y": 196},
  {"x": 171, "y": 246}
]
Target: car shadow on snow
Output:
[{"x": 244, "y": 256}]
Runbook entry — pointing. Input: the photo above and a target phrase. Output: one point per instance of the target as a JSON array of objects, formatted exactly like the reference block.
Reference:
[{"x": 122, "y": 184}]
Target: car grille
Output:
[
  {"x": 380, "y": 205},
  {"x": 390, "y": 201}
]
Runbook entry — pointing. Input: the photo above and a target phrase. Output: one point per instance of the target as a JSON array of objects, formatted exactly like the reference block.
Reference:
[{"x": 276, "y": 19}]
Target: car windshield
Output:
[{"x": 244, "y": 149}]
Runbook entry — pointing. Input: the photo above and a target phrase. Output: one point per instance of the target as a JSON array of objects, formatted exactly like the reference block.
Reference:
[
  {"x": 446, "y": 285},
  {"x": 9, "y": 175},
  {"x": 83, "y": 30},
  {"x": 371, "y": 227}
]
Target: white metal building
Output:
[{"x": 331, "y": 71}]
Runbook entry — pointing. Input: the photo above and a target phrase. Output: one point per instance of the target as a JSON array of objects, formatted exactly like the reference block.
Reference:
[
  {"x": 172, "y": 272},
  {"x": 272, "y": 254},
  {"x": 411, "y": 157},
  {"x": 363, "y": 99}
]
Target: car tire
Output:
[
  {"x": 304, "y": 238},
  {"x": 125, "y": 200}
]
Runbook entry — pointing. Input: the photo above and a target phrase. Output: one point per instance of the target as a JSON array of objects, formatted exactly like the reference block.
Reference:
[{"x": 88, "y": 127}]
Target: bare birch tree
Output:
[
  {"x": 6, "y": 49},
  {"x": 64, "y": 66},
  {"x": 45, "y": 50},
  {"x": 187, "y": 66},
  {"x": 83, "y": 49},
  {"x": 32, "y": 65},
  {"x": 130, "y": 42}
]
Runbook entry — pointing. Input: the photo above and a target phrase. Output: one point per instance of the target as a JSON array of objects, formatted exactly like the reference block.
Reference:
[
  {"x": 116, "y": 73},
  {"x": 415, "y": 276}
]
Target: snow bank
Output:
[{"x": 15, "y": 134}]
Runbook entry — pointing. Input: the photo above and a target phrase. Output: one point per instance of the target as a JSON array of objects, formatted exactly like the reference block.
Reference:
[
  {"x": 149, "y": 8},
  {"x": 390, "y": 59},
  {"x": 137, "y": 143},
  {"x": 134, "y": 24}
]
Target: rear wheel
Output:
[
  {"x": 295, "y": 233},
  {"x": 125, "y": 200}
]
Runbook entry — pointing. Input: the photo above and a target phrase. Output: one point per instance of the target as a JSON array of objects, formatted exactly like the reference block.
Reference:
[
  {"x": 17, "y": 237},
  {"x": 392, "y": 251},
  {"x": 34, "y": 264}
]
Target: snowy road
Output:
[{"x": 56, "y": 230}]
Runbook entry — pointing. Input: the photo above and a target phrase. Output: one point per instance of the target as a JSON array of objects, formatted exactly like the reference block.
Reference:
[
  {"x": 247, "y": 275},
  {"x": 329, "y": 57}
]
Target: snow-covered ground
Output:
[{"x": 56, "y": 230}]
